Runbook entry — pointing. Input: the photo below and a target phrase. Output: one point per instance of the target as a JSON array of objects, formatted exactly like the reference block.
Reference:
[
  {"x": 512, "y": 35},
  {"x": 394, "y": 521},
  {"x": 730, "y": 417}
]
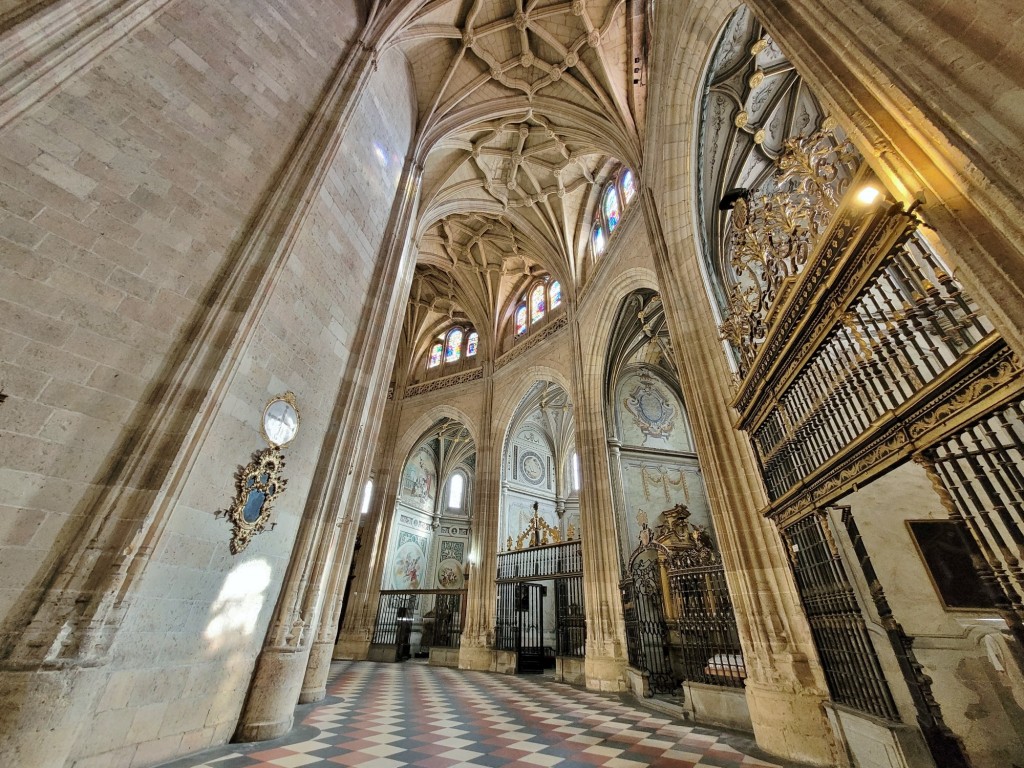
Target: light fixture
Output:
[{"x": 868, "y": 195}]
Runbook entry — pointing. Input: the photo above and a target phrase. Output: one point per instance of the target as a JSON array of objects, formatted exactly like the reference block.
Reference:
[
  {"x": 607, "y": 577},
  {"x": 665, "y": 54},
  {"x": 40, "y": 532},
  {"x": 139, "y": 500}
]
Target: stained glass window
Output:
[
  {"x": 611, "y": 207},
  {"x": 598, "y": 240},
  {"x": 453, "y": 350},
  {"x": 435, "y": 355},
  {"x": 537, "y": 307},
  {"x": 556, "y": 294},
  {"x": 471, "y": 344},
  {"x": 628, "y": 186},
  {"x": 521, "y": 320}
]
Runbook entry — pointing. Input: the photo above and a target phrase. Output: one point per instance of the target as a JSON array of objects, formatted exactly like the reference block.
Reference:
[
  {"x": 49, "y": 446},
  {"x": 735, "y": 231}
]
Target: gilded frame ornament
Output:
[{"x": 257, "y": 486}]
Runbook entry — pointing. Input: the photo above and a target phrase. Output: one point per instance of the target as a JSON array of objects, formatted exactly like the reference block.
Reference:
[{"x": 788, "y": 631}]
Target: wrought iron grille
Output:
[
  {"x": 539, "y": 562},
  {"x": 395, "y": 610},
  {"x": 647, "y": 638},
  {"x": 570, "y": 621},
  {"x": 982, "y": 469},
  {"x": 708, "y": 639},
  {"x": 560, "y": 564},
  {"x": 438, "y": 613},
  {"x": 506, "y": 625},
  {"x": 848, "y": 658},
  {"x": 909, "y": 324}
]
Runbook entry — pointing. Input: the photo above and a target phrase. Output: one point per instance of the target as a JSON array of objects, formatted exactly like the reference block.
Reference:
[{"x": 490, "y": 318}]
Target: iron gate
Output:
[
  {"x": 436, "y": 614},
  {"x": 523, "y": 579},
  {"x": 646, "y": 632},
  {"x": 848, "y": 657}
]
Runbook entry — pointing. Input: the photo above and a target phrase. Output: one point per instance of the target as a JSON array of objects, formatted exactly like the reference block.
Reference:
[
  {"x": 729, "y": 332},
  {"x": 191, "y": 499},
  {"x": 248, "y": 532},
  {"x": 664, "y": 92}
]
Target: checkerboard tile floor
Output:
[{"x": 395, "y": 715}]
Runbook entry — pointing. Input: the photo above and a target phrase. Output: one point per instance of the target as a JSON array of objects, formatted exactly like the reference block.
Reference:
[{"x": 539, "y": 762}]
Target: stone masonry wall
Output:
[{"x": 124, "y": 197}]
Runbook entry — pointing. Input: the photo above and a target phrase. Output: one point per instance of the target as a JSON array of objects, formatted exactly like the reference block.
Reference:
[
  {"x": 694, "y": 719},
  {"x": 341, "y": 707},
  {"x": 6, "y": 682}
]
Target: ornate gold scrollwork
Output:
[
  {"x": 773, "y": 236},
  {"x": 538, "y": 533},
  {"x": 257, "y": 486}
]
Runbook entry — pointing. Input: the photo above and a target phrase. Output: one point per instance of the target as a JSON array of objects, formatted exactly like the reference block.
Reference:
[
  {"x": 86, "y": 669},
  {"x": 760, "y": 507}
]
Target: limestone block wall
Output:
[
  {"x": 124, "y": 200},
  {"x": 123, "y": 196}
]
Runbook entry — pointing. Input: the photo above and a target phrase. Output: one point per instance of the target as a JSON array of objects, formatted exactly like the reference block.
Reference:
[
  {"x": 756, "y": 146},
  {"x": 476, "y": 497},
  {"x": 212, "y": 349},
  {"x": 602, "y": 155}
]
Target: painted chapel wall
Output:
[{"x": 180, "y": 666}]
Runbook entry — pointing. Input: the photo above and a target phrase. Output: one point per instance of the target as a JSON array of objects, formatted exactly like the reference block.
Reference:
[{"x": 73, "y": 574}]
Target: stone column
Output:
[
  {"x": 785, "y": 686},
  {"x": 606, "y": 657},
  {"x": 376, "y": 356},
  {"x": 618, "y": 493},
  {"x": 281, "y": 666},
  {"x": 477, "y": 647},
  {"x": 931, "y": 96},
  {"x": 357, "y": 629}
]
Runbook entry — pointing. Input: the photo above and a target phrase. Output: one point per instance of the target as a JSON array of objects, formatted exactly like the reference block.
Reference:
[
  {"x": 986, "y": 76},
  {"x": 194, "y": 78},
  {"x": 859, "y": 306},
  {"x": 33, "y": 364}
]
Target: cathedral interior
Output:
[{"x": 664, "y": 348}]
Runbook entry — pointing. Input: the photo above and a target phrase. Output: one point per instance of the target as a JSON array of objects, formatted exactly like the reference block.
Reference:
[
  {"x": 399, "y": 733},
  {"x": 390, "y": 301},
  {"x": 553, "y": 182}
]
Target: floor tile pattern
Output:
[{"x": 395, "y": 715}]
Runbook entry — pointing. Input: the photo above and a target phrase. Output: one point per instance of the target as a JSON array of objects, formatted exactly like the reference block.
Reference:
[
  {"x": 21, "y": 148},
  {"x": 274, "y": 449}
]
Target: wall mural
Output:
[
  {"x": 651, "y": 409},
  {"x": 410, "y": 559},
  {"x": 649, "y": 413},
  {"x": 450, "y": 560},
  {"x": 419, "y": 482}
]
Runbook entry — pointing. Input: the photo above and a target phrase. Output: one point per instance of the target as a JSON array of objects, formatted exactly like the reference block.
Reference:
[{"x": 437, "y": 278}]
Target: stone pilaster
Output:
[
  {"x": 476, "y": 650},
  {"x": 606, "y": 657},
  {"x": 280, "y": 674},
  {"x": 357, "y": 629},
  {"x": 785, "y": 685}
]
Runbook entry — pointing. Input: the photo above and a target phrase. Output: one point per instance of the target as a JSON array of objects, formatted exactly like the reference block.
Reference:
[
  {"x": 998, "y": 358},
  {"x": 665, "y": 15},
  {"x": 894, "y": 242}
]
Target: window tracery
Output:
[
  {"x": 435, "y": 355},
  {"x": 617, "y": 196},
  {"x": 452, "y": 345},
  {"x": 535, "y": 305}
]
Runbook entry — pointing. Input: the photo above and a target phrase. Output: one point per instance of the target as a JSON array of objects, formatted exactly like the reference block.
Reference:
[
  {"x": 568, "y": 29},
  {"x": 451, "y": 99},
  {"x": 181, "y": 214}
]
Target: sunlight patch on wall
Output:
[{"x": 237, "y": 607}]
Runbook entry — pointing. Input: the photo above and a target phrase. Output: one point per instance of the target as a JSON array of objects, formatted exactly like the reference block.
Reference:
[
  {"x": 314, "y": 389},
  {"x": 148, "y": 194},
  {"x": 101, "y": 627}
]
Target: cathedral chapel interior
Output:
[{"x": 672, "y": 348}]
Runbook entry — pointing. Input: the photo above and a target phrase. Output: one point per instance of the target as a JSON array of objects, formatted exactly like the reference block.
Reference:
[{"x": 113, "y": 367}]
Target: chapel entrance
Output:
[{"x": 540, "y": 613}]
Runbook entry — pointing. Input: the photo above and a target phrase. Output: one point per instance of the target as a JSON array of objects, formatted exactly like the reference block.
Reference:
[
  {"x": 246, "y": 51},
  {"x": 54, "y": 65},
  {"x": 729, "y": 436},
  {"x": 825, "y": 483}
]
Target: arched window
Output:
[
  {"x": 367, "y": 495},
  {"x": 575, "y": 471},
  {"x": 456, "y": 488},
  {"x": 598, "y": 240},
  {"x": 471, "y": 344},
  {"x": 628, "y": 182},
  {"x": 453, "y": 349},
  {"x": 435, "y": 355},
  {"x": 537, "y": 304},
  {"x": 521, "y": 320},
  {"x": 611, "y": 207},
  {"x": 555, "y": 293}
]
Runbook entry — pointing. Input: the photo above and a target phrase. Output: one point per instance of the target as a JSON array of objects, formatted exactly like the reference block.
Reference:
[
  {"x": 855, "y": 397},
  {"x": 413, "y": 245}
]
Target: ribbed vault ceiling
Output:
[{"x": 524, "y": 108}]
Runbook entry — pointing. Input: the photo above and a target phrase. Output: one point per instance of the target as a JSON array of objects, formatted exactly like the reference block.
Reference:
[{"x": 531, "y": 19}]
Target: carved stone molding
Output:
[
  {"x": 447, "y": 381},
  {"x": 530, "y": 342}
]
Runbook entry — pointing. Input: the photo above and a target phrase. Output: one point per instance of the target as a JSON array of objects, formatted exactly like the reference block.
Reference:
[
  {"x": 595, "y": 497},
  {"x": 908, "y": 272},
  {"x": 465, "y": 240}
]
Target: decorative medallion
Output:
[
  {"x": 449, "y": 574},
  {"x": 257, "y": 486},
  {"x": 651, "y": 410},
  {"x": 532, "y": 466}
]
